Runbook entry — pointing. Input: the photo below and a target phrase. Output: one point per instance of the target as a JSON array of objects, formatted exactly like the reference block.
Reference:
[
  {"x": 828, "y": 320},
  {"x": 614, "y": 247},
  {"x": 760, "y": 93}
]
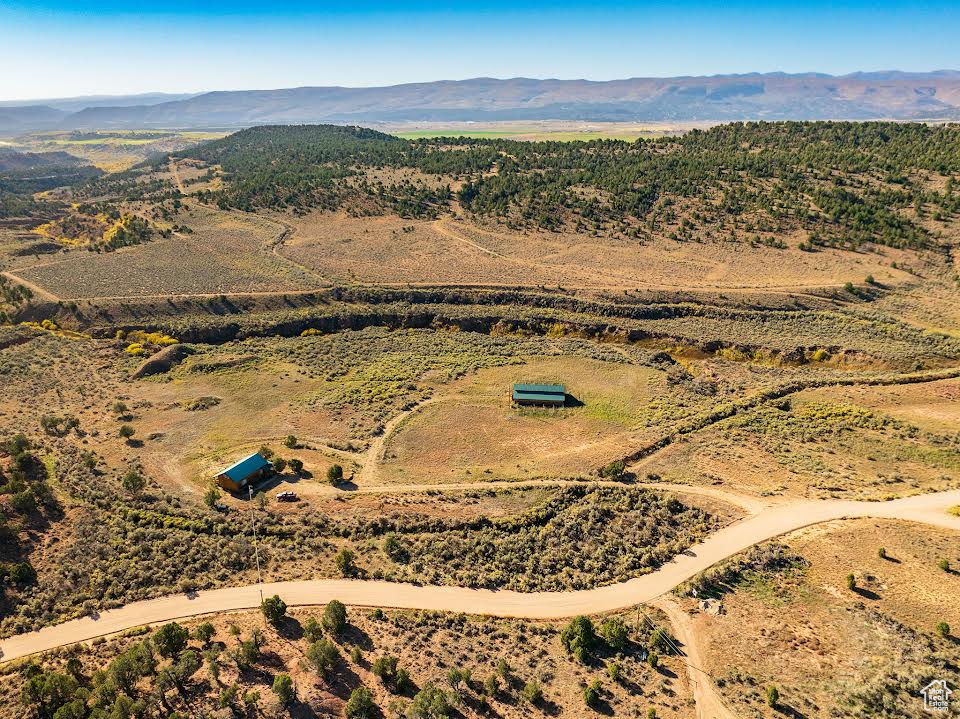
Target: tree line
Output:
[{"x": 845, "y": 183}]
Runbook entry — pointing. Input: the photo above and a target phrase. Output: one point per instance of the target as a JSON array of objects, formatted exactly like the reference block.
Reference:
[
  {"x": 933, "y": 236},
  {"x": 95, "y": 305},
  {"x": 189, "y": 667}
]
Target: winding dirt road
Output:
[{"x": 763, "y": 525}]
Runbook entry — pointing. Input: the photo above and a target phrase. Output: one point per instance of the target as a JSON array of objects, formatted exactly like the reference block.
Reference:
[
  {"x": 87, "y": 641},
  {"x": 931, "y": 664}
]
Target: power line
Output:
[
  {"x": 674, "y": 647},
  {"x": 256, "y": 550}
]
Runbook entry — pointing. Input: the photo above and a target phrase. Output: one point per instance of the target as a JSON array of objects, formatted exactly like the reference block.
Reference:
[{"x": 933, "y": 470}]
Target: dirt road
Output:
[
  {"x": 766, "y": 524},
  {"x": 373, "y": 457},
  {"x": 750, "y": 503},
  {"x": 705, "y": 694},
  {"x": 175, "y": 171},
  {"x": 38, "y": 291}
]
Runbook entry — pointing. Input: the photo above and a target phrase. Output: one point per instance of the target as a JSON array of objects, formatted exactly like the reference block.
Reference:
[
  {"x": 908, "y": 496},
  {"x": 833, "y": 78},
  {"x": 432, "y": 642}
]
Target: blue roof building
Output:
[{"x": 248, "y": 470}]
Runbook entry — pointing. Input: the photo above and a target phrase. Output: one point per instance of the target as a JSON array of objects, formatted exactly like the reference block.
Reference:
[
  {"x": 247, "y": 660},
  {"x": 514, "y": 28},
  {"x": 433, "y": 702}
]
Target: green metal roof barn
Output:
[{"x": 549, "y": 395}]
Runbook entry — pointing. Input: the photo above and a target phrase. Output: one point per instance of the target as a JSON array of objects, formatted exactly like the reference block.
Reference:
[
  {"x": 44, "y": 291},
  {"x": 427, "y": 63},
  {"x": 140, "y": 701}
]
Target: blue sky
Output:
[{"x": 54, "y": 48}]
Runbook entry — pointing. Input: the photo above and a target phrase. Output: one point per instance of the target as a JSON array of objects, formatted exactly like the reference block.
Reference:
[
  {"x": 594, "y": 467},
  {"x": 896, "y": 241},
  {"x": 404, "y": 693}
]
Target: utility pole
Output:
[{"x": 256, "y": 550}]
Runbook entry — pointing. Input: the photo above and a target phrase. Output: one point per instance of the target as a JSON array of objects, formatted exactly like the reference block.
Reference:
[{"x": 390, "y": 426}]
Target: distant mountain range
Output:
[
  {"x": 18, "y": 117},
  {"x": 73, "y": 104},
  {"x": 772, "y": 96}
]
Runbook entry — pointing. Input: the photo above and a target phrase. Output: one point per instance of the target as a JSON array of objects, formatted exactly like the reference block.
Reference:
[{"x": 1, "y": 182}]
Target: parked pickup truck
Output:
[{"x": 287, "y": 496}]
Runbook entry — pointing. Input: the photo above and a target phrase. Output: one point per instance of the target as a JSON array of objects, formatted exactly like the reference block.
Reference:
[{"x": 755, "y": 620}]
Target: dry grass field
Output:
[
  {"x": 336, "y": 394},
  {"x": 931, "y": 408},
  {"x": 423, "y": 407},
  {"x": 830, "y": 650},
  {"x": 391, "y": 249},
  {"x": 858, "y": 442},
  {"x": 225, "y": 253},
  {"x": 416, "y": 407},
  {"x": 470, "y": 429}
]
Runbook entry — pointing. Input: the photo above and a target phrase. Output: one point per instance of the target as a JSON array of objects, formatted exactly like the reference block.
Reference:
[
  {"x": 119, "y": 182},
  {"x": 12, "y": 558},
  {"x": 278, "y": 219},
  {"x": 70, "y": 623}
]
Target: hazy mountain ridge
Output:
[
  {"x": 773, "y": 96},
  {"x": 24, "y": 118},
  {"x": 50, "y": 114},
  {"x": 74, "y": 104}
]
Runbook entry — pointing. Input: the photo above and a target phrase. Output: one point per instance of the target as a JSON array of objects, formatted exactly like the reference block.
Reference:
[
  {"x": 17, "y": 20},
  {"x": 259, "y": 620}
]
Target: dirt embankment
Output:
[
  {"x": 739, "y": 331},
  {"x": 638, "y": 306},
  {"x": 163, "y": 360}
]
